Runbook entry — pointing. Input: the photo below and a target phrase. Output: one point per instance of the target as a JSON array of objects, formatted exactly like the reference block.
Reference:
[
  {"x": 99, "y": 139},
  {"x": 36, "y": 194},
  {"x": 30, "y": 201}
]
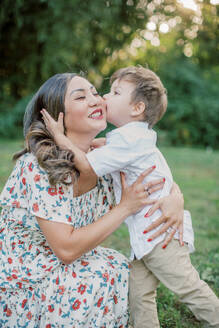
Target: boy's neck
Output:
[{"x": 132, "y": 120}]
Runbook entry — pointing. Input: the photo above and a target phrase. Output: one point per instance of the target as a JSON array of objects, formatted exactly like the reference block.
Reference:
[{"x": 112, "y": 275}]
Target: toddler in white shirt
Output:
[{"x": 136, "y": 102}]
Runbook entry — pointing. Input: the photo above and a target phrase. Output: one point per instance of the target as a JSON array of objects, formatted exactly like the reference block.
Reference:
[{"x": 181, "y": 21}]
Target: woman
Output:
[{"x": 53, "y": 273}]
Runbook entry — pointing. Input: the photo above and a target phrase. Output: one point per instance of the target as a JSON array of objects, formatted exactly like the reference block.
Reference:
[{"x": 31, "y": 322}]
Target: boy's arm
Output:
[
  {"x": 114, "y": 156},
  {"x": 56, "y": 129}
]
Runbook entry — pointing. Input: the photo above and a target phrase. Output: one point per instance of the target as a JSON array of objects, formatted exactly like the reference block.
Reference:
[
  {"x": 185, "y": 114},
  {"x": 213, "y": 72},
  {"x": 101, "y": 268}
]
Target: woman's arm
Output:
[
  {"x": 69, "y": 243},
  {"x": 172, "y": 208}
]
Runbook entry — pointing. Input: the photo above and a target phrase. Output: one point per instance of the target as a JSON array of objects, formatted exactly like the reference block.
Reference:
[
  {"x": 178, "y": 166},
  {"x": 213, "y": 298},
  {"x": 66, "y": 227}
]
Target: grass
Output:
[{"x": 196, "y": 172}]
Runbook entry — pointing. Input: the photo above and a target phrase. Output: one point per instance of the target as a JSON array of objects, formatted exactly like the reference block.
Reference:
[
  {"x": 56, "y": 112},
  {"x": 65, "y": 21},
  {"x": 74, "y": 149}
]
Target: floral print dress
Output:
[{"x": 36, "y": 288}]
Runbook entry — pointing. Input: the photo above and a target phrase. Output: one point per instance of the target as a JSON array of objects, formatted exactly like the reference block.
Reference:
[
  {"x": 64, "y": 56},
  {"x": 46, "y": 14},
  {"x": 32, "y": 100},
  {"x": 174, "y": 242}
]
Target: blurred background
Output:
[{"x": 178, "y": 39}]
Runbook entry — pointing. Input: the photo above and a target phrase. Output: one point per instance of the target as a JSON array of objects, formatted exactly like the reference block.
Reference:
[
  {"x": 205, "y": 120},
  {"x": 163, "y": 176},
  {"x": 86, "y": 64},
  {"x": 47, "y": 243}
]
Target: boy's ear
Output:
[{"x": 138, "y": 109}]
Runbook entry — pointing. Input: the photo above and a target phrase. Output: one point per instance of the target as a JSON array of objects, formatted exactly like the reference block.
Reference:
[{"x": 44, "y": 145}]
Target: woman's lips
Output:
[{"x": 97, "y": 114}]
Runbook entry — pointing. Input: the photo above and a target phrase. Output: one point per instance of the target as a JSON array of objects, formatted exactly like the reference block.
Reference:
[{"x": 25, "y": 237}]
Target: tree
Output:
[{"x": 43, "y": 37}]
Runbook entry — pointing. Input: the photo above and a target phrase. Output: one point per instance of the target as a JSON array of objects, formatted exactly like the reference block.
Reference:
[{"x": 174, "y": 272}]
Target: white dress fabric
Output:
[{"x": 36, "y": 289}]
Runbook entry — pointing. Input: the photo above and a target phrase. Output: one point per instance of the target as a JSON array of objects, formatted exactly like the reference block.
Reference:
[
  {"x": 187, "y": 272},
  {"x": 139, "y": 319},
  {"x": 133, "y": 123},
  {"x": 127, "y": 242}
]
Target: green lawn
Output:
[{"x": 197, "y": 173}]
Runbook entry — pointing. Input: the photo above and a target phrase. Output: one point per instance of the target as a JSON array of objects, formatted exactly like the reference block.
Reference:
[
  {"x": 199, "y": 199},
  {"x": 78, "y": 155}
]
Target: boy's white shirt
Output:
[{"x": 132, "y": 149}]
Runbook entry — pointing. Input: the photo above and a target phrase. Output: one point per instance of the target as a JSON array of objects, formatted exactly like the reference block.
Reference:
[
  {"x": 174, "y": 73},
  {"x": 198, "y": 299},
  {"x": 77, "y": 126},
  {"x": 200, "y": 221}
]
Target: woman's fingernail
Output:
[
  {"x": 164, "y": 179},
  {"x": 145, "y": 231},
  {"x": 149, "y": 239},
  {"x": 146, "y": 215},
  {"x": 154, "y": 167},
  {"x": 164, "y": 246}
]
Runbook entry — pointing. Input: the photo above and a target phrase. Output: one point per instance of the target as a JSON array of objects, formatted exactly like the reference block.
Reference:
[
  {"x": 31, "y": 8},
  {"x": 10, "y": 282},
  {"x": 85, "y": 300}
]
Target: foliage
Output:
[
  {"x": 39, "y": 38},
  {"x": 192, "y": 116},
  {"x": 11, "y": 122},
  {"x": 44, "y": 37}
]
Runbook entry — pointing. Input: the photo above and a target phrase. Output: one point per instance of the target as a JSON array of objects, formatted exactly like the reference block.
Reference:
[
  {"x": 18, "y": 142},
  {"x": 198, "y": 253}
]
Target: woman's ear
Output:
[{"x": 138, "y": 109}]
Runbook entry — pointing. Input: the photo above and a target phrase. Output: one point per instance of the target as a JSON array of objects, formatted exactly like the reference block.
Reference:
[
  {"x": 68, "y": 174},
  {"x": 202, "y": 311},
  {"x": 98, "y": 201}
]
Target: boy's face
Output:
[{"x": 118, "y": 102}]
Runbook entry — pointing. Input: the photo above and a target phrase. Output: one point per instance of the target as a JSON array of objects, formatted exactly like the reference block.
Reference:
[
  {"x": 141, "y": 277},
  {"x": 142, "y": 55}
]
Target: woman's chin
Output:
[{"x": 103, "y": 127}]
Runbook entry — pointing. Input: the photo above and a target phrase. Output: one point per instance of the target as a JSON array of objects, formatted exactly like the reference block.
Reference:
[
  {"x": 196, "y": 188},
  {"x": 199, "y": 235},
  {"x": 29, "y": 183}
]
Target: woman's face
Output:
[{"x": 85, "y": 111}]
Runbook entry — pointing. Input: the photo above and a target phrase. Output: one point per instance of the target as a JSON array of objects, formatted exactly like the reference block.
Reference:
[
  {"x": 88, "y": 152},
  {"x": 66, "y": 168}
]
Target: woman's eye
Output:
[
  {"x": 81, "y": 97},
  {"x": 96, "y": 94}
]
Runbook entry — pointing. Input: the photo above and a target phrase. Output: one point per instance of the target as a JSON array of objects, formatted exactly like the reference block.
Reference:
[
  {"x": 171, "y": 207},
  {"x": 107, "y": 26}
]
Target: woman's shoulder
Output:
[
  {"x": 29, "y": 165},
  {"x": 15, "y": 188},
  {"x": 26, "y": 159}
]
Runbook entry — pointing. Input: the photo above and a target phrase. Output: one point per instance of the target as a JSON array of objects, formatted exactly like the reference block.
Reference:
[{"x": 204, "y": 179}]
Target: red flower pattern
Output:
[
  {"x": 52, "y": 191},
  {"x": 16, "y": 203},
  {"x": 115, "y": 299},
  {"x": 99, "y": 301},
  {"x": 24, "y": 303},
  {"x": 51, "y": 308},
  {"x": 85, "y": 294},
  {"x": 37, "y": 178},
  {"x": 19, "y": 284},
  {"x": 30, "y": 167},
  {"x": 29, "y": 315},
  {"x": 82, "y": 289},
  {"x": 10, "y": 260},
  {"x": 76, "y": 305},
  {"x": 11, "y": 190},
  {"x": 43, "y": 297},
  {"x": 8, "y": 312},
  {"x": 106, "y": 310},
  {"x": 105, "y": 276},
  {"x": 61, "y": 290},
  {"x": 35, "y": 207}
]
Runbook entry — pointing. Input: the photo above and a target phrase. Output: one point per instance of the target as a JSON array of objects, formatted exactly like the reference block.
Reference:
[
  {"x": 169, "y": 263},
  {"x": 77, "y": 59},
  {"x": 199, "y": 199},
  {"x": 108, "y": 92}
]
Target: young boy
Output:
[{"x": 136, "y": 102}]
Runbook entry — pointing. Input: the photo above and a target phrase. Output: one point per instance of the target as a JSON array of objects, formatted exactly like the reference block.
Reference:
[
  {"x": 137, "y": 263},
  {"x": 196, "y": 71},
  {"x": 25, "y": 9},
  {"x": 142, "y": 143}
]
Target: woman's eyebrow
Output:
[{"x": 76, "y": 90}]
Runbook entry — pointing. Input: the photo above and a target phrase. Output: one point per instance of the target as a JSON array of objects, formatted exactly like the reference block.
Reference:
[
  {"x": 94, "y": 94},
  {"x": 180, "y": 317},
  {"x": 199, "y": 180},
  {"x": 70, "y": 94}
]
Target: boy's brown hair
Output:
[{"x": 148, "y": 89}]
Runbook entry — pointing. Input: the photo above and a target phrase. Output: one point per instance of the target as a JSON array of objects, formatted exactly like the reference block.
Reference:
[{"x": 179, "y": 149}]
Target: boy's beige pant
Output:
[{"x": 171, "y": 266}]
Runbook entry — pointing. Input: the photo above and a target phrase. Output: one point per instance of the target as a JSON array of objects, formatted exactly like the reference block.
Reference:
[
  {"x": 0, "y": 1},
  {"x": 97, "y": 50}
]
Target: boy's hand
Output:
[
  {"x": 98, "y": 142},
  {"x": 54, "y": 127}
]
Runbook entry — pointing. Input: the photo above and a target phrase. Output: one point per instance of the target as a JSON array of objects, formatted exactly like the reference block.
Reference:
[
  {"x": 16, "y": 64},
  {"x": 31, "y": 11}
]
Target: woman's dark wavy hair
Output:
[{"x": 58, "y": 163}]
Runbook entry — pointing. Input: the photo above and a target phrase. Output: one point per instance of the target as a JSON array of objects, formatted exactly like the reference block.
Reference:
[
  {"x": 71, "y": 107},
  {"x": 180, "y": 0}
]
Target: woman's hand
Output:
[
  {"x": 172, "y": 207},
  {"x": 135, "y": 196}
]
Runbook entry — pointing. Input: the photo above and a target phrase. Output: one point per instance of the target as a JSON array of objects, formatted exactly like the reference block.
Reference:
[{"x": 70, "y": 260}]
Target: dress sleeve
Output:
[
  {"x": 52, "y": 203},
  {"x": 114, "y": 156},
  {"x": 28, "y": 188}
]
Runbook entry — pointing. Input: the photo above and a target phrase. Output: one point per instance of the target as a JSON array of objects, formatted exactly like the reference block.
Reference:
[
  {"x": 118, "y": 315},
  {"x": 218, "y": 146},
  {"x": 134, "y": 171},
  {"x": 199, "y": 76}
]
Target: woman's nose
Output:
[
  {"x": 93, "y": 100},
  {"x": 105, "y": 96}
]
